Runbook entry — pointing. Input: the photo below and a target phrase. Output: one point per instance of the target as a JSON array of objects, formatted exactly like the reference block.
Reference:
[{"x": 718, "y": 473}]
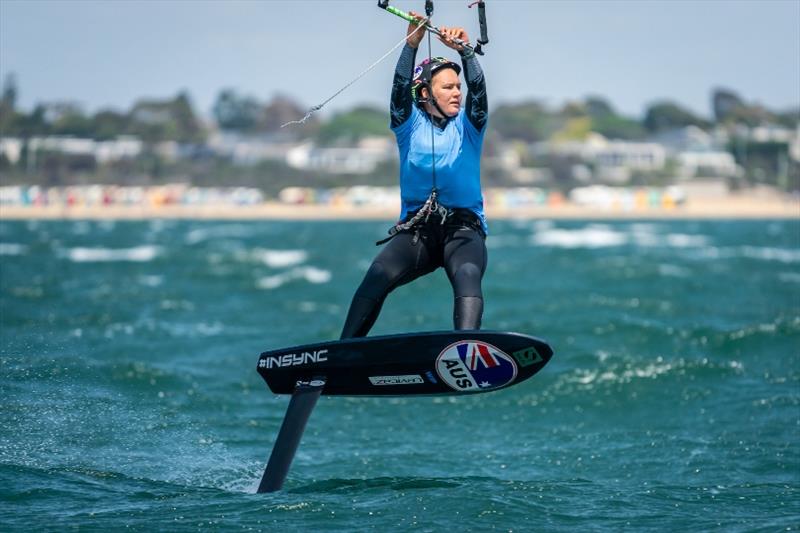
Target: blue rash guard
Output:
[{"x": 457, "y": 143}]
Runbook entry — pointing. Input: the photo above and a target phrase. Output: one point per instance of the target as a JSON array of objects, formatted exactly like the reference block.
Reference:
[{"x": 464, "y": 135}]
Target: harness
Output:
[{"x": 423, "y": 214}]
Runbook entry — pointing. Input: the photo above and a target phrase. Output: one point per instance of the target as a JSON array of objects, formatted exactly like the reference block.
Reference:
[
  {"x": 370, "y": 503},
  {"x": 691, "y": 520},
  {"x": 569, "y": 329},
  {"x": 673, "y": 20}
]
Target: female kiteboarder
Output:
[{"x": 442, "y": 222}]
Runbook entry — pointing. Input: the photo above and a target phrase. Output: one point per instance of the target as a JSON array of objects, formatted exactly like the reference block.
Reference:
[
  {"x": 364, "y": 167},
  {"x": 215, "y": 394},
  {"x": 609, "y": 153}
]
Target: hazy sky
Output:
[{"x": 110, "y": 53}]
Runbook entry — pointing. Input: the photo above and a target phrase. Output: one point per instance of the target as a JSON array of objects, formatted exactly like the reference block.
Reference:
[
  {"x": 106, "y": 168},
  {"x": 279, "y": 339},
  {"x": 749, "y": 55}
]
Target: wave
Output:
[
  {"x": 11, "y": 248},
  {"x": 228, "y": 231},
  {"x": 760, "y": 253},
  {"x": 601, "y": 236},
  {"x": 616, "y": 373},
  {"x": 138, "y": 254},
  {"x": 151, "y": 281},
  {"x": 674, "y": 271},
  {"x": 589, "y": 237},
  {"x": 789, "y": 277},
  {"x": 309, "y": 274},
  {"x": 281, "y": 258},
  {"x": 771, "y": 254},
  {"x": 680, "y": 240}
]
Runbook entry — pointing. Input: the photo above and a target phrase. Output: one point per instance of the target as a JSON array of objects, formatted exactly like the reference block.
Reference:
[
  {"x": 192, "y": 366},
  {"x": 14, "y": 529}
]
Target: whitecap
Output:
[
  {"x": 139, "y": 254},
  {"x": 645, "y": 234},
  {"x": 281, "y": 258},
  {"x": 11, "y": 248},
  {"x": 680, "y": 240},
  {"x": 216, "y": 232},
  {"x": 542, "y": 225},
  {"x": 81, "y": 227},
  {"x": 151, "y": 281},
  {"x": 649, "y": 371},
  {"x": 590, "y": 237},
  {"x": 791, "y": 277},
  {"x": 309, "y": 274},
  {"x": 771, "y": 254},
  {"x": 673, "y": 270}
]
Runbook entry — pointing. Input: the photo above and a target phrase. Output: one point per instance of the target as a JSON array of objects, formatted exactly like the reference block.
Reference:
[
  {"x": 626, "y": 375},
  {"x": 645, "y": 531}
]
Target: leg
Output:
[
  {"x": 400, "y": 262},
  {"x": 465, "y": 260}
]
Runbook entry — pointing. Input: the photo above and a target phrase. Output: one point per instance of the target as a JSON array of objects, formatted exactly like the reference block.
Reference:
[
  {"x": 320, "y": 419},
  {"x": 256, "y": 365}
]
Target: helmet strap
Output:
[{"x": 432, "y": 100}]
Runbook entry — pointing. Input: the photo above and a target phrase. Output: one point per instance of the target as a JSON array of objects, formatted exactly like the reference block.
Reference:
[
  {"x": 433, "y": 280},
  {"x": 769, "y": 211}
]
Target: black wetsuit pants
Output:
[{"x": 458, "y": 245}]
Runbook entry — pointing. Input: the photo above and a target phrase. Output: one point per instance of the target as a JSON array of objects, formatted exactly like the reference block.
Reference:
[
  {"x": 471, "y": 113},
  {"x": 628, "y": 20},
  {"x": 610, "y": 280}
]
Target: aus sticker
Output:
[{"x": 475, "y": 366}]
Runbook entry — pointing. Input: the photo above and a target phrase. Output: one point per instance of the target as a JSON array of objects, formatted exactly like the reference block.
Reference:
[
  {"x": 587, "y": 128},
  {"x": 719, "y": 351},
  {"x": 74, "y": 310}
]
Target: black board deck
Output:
[{"x": 439, "y": 362}]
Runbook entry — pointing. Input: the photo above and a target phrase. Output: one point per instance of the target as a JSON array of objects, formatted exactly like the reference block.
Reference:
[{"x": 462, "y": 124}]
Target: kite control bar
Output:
[{"x": 384, "y": 4}]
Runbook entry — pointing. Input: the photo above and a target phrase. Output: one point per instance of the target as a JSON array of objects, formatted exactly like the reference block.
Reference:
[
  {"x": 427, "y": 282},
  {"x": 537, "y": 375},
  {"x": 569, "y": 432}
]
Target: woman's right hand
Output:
[{"x": 413, "y": 39}]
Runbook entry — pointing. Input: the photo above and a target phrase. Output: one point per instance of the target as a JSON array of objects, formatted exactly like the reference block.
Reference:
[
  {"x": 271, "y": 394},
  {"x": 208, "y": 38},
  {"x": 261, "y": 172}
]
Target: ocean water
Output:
[{"x": 130, "y": 399}]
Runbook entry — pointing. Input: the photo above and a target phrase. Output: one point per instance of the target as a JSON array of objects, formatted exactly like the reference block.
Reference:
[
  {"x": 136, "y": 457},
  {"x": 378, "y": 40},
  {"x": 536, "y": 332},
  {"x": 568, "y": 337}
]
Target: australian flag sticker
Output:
[{"x": 468, "y": 366}]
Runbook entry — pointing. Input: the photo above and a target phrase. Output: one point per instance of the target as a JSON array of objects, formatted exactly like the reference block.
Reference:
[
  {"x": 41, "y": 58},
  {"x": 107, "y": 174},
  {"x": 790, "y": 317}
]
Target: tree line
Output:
[{"x": 175, "y": 119}]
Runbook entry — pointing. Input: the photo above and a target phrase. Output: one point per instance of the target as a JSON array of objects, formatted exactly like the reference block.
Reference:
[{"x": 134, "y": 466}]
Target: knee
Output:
[
  {"x": 467, "y": 280},
  {"x": 376, "y": 283}
]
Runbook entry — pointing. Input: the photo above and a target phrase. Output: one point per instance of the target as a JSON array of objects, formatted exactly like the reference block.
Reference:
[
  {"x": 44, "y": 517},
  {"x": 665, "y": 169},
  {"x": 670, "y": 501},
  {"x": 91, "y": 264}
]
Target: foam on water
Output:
[
  {"x": 589, "y": 237},
  {"x": 674, "y": 271},
  {"x": 680, "y": 240},
  {"x": 11, "y": 248},
  {"x": 139, "y": 254},
  {"x": 790, "y": 277},
  {"x": 281, "y": 258},
  {"x": 151, "y": 281},
  {"x": 781, "y": 255},
  {"x": 604, "y": 236},
  {"x": 309, "y": 273},
  {"x": 226, "y": 231}
]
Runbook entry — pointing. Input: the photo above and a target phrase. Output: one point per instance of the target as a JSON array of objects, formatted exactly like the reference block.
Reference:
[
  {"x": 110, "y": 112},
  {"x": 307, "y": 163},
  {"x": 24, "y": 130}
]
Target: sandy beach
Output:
[{"x": 733, "y": 206}]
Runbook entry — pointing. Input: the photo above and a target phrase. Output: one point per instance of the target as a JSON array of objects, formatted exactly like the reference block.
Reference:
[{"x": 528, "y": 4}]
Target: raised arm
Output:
[
  {"x": 477, "y": 107},
  {"x": 401, "y": 102}
]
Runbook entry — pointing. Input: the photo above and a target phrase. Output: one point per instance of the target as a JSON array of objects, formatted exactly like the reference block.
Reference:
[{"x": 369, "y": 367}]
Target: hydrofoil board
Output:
[{"x": 440, "y": 362}]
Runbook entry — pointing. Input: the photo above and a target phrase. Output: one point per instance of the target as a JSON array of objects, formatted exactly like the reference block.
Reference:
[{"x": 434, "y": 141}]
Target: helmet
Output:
[{"x": 425, "y": 71}]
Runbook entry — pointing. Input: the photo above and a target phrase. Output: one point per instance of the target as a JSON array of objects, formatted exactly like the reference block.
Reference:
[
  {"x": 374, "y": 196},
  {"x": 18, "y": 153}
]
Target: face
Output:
[{"x": 447, "y": 93}]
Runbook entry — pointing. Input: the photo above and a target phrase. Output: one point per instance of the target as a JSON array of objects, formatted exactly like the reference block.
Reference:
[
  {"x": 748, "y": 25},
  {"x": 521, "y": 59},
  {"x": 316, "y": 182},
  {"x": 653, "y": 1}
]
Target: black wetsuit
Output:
[{"x": 457, "y": 243}]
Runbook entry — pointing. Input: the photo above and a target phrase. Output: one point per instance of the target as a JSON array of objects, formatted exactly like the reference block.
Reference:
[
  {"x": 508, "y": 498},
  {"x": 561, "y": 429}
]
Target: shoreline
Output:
[{"x": 718, "y": 208}]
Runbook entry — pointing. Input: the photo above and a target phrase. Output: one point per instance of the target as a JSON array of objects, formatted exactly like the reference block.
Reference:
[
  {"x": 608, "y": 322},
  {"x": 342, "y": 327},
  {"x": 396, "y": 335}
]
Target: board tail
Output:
[{"x": 304, "y": 398}]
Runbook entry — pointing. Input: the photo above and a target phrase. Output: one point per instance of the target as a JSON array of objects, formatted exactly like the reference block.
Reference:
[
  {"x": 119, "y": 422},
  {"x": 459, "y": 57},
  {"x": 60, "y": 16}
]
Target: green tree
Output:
[
  {"x": 34, "y": 123},
  {"x": 234, "y": 112},
  {"x": 617, "y": 127},
  {"x": 528, "y": 121},
  {"x": 108, "y": 124},
  {"x": 188, "y": 125},
  {"x": 789, "y": 118},
  {"x": 607, "y": 122},
  {"x": 599, "y": 107},
  {"x": 70, "y": 119},
  {"x": 166, "y": 120},
  {"x": 8, "y": 104},
  {"x": 282, "y": 109},
  {"x": 663, "y": 116},
  {"x": 351, "y": 126},
  {"x": 725, "y": 102}
]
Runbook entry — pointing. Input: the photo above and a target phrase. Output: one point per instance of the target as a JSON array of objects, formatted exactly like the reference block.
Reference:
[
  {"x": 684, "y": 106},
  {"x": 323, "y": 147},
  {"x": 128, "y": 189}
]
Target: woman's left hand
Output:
[{"x": 448, "y": 34}]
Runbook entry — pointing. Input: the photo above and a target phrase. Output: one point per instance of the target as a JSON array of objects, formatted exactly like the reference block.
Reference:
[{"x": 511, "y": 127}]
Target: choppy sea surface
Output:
[{"x": 129, "y": 396}]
